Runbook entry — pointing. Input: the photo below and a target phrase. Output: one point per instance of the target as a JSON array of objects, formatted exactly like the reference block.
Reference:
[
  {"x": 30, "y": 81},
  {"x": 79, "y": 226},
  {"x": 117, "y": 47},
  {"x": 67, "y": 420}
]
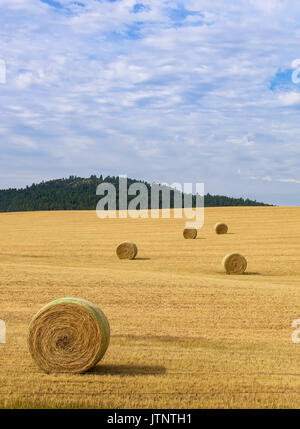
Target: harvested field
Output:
[{"x": 183, "y": 333}]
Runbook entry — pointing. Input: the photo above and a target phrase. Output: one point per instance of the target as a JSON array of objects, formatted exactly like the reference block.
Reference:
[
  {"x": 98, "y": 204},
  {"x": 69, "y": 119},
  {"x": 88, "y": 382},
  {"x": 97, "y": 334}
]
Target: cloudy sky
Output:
[{"x": 171, "y": 91}]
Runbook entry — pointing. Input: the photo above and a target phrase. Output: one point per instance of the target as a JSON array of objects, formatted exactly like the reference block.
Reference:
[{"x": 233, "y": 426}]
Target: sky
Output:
[{"x": 191, "y": 91}]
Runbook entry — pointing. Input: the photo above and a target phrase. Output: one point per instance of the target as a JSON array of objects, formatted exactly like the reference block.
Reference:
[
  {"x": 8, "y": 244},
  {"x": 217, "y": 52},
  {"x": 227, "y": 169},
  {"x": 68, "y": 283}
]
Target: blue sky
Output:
[{"x": 169, "y": 91}]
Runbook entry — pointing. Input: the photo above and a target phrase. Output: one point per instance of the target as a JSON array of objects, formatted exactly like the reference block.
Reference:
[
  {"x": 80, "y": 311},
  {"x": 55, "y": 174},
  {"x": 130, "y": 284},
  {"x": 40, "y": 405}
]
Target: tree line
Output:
[{"x": 77, "y": 193}]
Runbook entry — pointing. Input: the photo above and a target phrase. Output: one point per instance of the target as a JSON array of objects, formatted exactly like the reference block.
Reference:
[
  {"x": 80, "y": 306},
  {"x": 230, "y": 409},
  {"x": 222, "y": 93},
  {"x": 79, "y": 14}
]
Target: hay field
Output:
[{"x": 183, "y": 333}]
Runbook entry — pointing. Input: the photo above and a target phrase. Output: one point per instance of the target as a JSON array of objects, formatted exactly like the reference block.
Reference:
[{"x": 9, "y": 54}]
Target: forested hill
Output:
[{"x": 76, "y": 193}]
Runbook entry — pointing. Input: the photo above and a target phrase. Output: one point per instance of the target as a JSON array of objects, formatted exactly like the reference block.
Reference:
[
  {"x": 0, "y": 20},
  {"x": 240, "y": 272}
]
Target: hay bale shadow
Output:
[
  {"x": 246, "y": 273},
  {"x": 141, "y": 259},
  {"x": 127, "y": 370}
]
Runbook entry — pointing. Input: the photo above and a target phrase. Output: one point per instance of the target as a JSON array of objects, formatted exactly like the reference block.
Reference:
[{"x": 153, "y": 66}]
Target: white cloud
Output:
[
  {"x": 243, "y": 141},
  {"x": 289, "y": 99},
  {"x": 289, "y": 180}
]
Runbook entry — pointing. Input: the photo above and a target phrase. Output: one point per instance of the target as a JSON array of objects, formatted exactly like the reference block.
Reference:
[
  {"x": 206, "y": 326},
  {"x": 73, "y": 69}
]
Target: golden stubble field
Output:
[{"x": 183, "y": 333}]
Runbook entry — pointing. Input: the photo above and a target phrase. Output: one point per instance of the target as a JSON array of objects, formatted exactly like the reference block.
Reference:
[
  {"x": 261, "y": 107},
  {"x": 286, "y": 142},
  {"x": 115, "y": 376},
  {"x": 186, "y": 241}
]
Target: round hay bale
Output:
[
  {"x": 221, "y": 228},
  {"x": 190, "y": 233},
  {"x": 68, "y": 335},
  {"x": 127, "y": 250},
  {"x": 234, "y": 263}
]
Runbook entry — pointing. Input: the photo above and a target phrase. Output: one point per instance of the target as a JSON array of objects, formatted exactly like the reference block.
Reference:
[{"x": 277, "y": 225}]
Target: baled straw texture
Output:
[
  {"x": 221, "y": 228},
  {"x": 68, "y": 335},
  {"x": 234, "y": 263},
  {"x": 190, "y": 233},
  {"x": 127, "y": 250}
]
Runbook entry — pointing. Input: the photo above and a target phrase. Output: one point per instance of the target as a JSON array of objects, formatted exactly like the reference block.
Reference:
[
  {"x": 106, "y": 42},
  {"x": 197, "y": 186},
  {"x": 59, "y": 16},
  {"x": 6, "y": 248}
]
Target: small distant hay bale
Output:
[
  {"x": 234, "y": 263},
  {"x": 68, "y": 335},
  {"x": 221, "y": 228},
  {"x": 190, "y": 233},
  {"x": 126, "y": 250}
]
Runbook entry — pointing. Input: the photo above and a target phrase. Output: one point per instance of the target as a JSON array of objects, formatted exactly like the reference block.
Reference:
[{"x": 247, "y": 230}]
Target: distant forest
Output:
[{"x": 77, "y": 193}]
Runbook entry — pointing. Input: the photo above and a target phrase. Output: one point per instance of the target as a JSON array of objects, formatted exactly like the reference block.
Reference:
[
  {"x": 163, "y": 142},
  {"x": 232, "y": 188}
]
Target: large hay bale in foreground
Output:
[
  {"x": 221, "y": 228},
  {"x": 127, "y": 250},
  {"x": 190, "y": 233},
  {"x": 234, "y": 263},
  {"x": 68, "y": 335}
]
